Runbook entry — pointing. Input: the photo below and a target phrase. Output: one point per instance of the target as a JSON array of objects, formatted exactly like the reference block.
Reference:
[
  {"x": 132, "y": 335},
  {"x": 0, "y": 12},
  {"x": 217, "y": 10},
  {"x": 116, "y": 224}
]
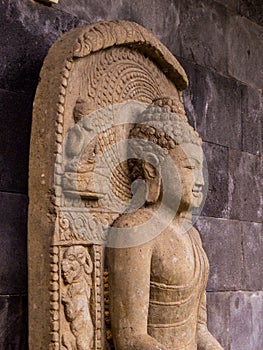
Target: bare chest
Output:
[{"x": 173, "y": 259}]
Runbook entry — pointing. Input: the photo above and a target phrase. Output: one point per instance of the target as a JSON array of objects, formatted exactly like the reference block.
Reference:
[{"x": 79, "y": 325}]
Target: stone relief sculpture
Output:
[
  {"x": 115, "y": 174},
  {"x": 76, "y": 270},
  {"x": 80, "y": 154}
]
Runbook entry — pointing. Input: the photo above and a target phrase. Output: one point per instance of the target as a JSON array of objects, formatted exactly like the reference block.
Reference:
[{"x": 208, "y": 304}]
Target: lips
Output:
[{"x": 197, "y": 192}]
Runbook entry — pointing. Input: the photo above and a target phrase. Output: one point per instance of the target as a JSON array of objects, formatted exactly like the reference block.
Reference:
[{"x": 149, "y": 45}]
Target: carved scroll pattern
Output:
[{"x": 107, "y": 34}]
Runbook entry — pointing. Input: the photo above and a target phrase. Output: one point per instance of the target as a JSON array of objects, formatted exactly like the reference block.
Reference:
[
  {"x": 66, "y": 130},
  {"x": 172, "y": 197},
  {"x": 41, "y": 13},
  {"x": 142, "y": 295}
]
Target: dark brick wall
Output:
[{"x": 219, "y": 43}]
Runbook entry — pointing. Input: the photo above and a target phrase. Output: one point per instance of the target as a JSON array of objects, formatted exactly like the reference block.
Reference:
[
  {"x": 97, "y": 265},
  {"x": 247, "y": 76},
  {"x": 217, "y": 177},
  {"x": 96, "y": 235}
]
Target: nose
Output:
[{"x": 199, "y": 180}]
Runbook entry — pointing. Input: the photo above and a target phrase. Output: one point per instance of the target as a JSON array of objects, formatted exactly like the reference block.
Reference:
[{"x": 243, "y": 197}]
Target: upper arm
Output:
[{"x": 129, "y": 279}]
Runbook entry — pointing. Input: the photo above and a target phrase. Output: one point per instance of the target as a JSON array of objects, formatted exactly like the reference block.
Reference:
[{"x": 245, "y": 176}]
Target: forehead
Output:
[{"x": 188, "y": 151}]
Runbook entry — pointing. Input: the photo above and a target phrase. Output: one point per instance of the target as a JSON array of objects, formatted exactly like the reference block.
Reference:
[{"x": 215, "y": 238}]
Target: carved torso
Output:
[
  {"x": 177, "y": 280},
  {"x": 179, "y": 271},
  {"x": 171, "y": 251}
]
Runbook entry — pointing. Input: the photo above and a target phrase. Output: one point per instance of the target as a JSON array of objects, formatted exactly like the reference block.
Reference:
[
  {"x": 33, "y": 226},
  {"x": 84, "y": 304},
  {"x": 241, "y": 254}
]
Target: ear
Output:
[
  {"x": 81, "y": 258},
  {"x": 153, "y": 181},
  {"x": 150, "y": 171}
]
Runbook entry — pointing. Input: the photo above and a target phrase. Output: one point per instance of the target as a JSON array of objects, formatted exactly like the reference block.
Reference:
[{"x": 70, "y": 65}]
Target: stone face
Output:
[
  {"x": 13, "y": 323},
  {"x": 220, "y": 239},
  {"x": 213, "y": 106},
  {"x": 13, "y": 233},
  {"x": 216, "y": 204},
  {"x": 245, "y": 51},
  {"x": 253, "y": 259},
  {"x": 15, "y": 116},
  {"x": 245, "y": 178},
  {"x": 252, "y": 112},
  {"x": 246, "y": 321}
]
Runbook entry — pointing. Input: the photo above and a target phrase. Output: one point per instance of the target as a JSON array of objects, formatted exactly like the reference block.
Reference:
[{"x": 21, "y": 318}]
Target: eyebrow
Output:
[{"x": 194, "y": 159}]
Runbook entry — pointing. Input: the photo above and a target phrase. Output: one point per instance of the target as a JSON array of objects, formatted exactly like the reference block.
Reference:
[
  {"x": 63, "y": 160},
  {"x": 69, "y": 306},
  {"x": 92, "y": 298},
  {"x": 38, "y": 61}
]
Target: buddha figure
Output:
[{"x": 157, "y": 287}]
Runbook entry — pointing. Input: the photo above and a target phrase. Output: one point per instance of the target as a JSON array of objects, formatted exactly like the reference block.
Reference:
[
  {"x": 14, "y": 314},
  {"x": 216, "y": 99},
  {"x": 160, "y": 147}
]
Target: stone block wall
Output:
[{"x": 219, "y": 43}]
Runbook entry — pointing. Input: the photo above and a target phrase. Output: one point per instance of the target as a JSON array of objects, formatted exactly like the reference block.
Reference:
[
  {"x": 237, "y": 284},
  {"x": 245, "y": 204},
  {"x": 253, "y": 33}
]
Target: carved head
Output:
[
  {"x": 82, "y": 109},
  {"x": 165, "y": 133},
  {"x": 75, "y": 264}
]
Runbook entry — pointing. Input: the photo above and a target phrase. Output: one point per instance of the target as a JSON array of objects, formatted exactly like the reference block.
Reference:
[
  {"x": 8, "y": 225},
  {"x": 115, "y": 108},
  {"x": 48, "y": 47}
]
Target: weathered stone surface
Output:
[
  {"x": 13, "y": 252},
  {"x": 245, "y": 186},
  {"x": 74, "y": 212},
  {"x": 246, "y": 321},
  {"x": 231, "y": 4},
  {"x": 220, "y": 239},
  {"x": 218, "y": 316},
  {"x": 216, "y": 204},
  {"x": 235, "y": 318},
  {"x": 159, "y": 17},
  {"x": 252, "y": 119},
  {"x": 253, "y": 257},
  {"x": 203, "y": 30},
  {"x": 252, "y": 9},
  {"x": 245, "y": 50},
  {"x": 13, "y": 323},
  {"x": 15, "y": 118},
  {"x": 96, "y": 11},
  {"x": 213, "y": 106},
  {"x": 29, "y": 29}
]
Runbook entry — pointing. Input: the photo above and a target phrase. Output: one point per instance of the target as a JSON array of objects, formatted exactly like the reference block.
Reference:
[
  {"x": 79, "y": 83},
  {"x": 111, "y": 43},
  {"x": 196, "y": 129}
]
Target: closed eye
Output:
[{"x": 191, "y": 167}]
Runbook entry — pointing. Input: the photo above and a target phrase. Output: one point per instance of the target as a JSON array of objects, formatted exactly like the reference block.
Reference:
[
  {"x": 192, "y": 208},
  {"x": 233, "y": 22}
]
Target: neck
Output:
[
  {"x": 185, "y": 216},
  {"x": 183, "y": 222}
]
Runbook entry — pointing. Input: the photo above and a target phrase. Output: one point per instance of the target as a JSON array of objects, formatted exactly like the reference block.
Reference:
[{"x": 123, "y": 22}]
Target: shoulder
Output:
[
  {"x": 130, "y": 220},
  {"x": 129, "y": 234}
]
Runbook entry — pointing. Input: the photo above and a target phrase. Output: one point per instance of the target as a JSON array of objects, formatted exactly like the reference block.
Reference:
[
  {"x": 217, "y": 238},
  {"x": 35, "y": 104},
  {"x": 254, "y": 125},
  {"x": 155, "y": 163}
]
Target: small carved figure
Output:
[
  {"x": 77, "y": 139},
  {"x": 80, "y": 150},
  {"x": 157, "y": 288},
  {"x": 76, "y": 270}
]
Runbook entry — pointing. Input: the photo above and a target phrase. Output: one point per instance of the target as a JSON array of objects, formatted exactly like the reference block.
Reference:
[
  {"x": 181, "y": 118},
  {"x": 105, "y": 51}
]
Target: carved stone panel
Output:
[{"x": 94, "y": 84}]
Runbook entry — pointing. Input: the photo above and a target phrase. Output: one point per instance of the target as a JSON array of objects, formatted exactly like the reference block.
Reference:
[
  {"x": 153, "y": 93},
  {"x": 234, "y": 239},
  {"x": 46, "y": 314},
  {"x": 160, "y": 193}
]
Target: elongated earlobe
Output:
[{"x": 153, "y": 180}]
